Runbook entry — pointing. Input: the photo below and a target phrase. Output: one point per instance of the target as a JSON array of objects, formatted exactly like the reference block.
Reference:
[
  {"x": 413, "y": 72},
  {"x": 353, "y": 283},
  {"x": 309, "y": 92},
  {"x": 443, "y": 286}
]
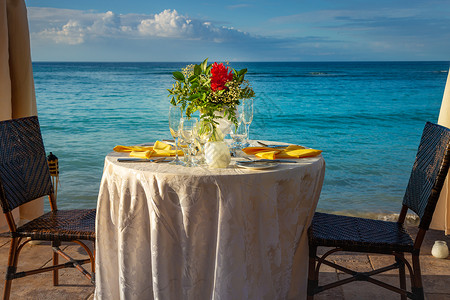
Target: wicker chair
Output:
[
  {"x": 24, "y": 176},
  {"x": 353, "y": 234}
]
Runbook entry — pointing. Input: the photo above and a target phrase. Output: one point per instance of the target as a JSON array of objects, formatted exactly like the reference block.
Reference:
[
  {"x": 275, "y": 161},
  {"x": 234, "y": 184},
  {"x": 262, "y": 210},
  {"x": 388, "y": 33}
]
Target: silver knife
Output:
[
  {"x": 269, "y": 160},
  {"x": 271, "y": 146},
  {"x": 280, "y": 160},
  {"x": 137, "y": 159}
]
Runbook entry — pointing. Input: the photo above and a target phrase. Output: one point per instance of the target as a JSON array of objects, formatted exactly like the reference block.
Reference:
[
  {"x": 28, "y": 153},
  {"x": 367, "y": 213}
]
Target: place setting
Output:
[
  {"x": 191, "y": 141},
  {"x": 210, "y": 127}
]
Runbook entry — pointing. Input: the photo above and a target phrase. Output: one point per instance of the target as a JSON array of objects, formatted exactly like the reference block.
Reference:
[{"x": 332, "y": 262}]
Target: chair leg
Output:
[
  {"x": 313, "y": 277},
  {"x": 12, "y": 267},
  {"x": 416, "y": 280},
  {"x": 93, "y": 267},
  {"x": 55, "y": 262},
  {"x": 402, "y": 276}
]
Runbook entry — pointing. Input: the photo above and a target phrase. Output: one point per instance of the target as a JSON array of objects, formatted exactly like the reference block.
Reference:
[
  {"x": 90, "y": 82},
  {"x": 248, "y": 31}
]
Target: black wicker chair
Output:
[
  {"x": 353, "y": 234},
  {"x": 24, "y": 177}
]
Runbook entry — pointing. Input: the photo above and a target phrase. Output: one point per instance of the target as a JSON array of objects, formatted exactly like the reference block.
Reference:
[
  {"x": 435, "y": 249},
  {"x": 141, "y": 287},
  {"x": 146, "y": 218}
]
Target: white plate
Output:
[{"x": 258, "y": 165}]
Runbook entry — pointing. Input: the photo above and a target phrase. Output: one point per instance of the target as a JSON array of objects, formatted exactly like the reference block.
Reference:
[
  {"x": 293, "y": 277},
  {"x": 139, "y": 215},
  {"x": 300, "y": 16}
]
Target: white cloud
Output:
[
  {"x": 76, "y": 28},
  {"x": 107, "y": 24},
  {"x": 167, "y": 24},
  {"x": 80, "y": 26},
  {"x": 71, "y": 33}
]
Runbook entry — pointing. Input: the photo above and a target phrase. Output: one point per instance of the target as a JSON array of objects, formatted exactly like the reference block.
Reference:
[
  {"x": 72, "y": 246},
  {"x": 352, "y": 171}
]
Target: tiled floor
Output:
[
  {"x": 73, "y": 285},
  {"x": 436, "y": 275}
]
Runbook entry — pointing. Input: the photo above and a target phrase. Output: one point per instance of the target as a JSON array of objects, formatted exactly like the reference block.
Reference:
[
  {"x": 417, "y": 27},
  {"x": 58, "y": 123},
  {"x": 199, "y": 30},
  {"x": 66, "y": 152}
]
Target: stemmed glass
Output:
[
  {"x": 247, "y": 116},
  {"x": 238, "y": 134},
  {"x": 188, "y": 135},
  {"x": 203, "y": 131},
  {"x": 175, "y": 119},
  {"x": 185, "y": 148}
]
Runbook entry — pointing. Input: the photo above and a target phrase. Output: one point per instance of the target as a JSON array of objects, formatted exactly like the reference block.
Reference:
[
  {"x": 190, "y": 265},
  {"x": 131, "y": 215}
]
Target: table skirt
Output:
[{"x": 200, "y": 236}]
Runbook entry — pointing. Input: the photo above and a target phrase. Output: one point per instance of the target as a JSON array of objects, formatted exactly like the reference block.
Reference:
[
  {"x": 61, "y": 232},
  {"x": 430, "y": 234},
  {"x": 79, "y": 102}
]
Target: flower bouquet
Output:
[{"x": 213, "y": 89}]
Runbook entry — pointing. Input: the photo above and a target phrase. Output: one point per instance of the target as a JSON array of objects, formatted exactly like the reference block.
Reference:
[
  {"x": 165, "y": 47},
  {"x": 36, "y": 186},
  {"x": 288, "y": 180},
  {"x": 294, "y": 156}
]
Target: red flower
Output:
[{"x": 219, "y": 76}]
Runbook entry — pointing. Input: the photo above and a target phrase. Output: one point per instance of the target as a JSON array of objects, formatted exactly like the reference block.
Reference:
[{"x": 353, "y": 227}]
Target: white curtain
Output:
[
  {"x": 17, "y": 96},
  {"x": 441, "y": 217}
]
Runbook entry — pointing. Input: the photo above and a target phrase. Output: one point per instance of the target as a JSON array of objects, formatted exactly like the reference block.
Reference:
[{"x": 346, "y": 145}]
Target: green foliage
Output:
[{"x": 178, "y": 76}]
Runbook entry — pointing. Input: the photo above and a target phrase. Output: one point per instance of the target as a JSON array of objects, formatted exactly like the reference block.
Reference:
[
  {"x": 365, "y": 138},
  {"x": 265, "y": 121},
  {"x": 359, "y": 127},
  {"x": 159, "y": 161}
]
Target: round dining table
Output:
[{"x": 172, "y": 232}]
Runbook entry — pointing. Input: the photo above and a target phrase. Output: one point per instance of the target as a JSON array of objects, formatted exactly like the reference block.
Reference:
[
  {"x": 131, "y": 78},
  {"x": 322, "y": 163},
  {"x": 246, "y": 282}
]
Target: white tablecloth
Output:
[{"x": 171, "y": 232}]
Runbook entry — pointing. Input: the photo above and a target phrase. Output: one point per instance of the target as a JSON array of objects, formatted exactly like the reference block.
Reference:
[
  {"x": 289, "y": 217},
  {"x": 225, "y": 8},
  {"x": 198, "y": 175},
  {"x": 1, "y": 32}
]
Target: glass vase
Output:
[{"x": 217, "y": 154}]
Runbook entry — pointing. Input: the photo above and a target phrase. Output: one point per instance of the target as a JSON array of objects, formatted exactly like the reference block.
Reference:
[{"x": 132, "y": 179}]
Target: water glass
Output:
[
  {"x": 188, "y": 135},
  {"x": 239, "y": 136},
  {"x": 247, "y": 116},
  {"x": 203, "y": 131},
  {"x": 175, "y": 120},
  {"x": 185, "y": 148}
]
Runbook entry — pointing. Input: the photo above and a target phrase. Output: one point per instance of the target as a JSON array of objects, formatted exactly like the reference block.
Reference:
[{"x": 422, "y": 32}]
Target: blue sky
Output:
[{"x": 253, "y": 30}]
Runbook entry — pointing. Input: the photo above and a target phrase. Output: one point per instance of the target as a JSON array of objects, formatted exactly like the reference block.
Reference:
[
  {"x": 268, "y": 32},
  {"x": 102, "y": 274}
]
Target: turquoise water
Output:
[{"x": 367, "y": 117}]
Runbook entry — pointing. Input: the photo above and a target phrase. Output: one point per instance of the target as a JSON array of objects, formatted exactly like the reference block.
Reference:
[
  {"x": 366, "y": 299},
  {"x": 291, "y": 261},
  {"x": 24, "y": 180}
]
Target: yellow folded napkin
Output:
[
  {"x": 292, "y": 151},
  {"x": 121, "y": 148},
  {"x": 158, "y": 149}
]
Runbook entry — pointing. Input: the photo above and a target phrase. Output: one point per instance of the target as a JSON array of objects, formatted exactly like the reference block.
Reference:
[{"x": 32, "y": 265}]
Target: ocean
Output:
[{"x": 367, "y": 117}]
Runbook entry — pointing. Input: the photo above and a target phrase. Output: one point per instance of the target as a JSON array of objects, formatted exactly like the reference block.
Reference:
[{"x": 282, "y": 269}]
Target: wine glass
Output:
[
  {"x": 238, "y": 134},
  {"x": 185, "y": 148},
  {"x": 202, "y": 132},
  {"x": 247, "y": 116},
  {"x": 175, "y": 119},
  {"x": 188, "y": 135}
]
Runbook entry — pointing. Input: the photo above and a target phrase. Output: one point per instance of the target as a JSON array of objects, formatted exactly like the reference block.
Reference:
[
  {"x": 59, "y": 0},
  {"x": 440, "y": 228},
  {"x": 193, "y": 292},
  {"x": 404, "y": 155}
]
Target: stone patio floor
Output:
[{"x": 73, "y": 285}]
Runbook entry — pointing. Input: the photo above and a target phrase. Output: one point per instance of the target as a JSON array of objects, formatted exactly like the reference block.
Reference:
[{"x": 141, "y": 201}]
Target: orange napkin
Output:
[
  {"x": 158, "y": 149},
  {"x": 292, "y": 151}
]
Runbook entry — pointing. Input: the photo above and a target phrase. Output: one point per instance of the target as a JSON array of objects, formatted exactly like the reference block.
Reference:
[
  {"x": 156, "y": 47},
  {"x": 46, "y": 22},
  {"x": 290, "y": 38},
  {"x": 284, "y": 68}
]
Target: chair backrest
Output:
[
  {"x": 24, "y": 173},
  {"x": 428, "y": 173}
]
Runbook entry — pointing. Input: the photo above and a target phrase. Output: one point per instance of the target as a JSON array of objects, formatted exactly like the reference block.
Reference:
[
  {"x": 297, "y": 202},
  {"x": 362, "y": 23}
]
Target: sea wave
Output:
[
  {"x": 324, "y": 74},
  {"x": 410, "y": 220}
]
